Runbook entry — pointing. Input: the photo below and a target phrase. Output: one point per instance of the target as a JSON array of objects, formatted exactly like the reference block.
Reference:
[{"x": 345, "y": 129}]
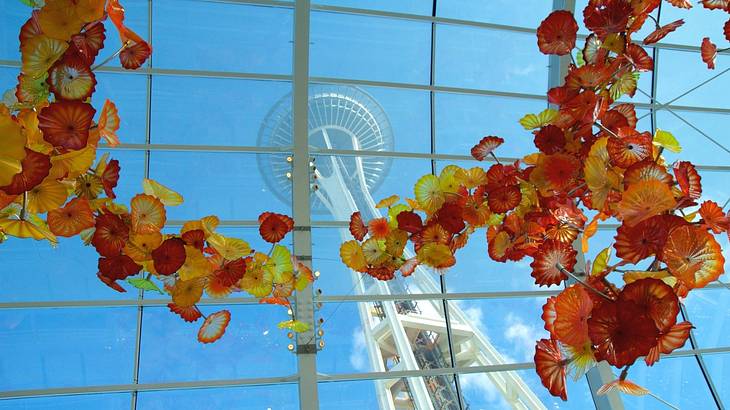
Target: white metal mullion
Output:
[
  {"x": 201, "y": 148},
  {"x": 424, "y": 87},
  {"x": 420, "y": 17},
  {"x": 264, "y": 381},
  {"x": 328, "y": 151},
  {"x": 140, "y": 292},
  {"x": 322, "y": 298},
  {"x": 123, "y": 388},
  {"x": 433, "y": 139},
  {"x": 306, "y": 348},
  {"x": 267, "y": 3}
]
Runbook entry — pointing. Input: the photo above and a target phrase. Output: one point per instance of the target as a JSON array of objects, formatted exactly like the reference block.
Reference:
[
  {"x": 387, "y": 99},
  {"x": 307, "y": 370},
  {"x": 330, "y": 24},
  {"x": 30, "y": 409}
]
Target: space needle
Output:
[{"x": 399, "y": 334}]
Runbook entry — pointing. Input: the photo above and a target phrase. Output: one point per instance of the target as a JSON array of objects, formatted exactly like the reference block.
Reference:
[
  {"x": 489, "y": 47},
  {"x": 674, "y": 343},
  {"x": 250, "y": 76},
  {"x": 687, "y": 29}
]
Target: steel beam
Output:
[{"x": 306, "y": 348}]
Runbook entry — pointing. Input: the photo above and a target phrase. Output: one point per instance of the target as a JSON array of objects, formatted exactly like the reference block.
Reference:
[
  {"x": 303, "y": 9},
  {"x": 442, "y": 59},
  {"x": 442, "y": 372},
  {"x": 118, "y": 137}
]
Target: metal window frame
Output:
[
  {"x": 307, "y": 376},
  {"x": 292, "y": 379}
]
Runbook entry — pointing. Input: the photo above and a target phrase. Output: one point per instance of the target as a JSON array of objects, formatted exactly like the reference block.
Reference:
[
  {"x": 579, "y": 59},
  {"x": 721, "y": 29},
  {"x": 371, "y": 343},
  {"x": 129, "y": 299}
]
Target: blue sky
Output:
[{"x": 95, "y": 346}]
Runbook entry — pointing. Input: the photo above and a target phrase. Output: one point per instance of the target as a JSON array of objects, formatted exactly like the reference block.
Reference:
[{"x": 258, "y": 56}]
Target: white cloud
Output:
[
  {"x": 474, "y": 315},
  {"x": 358, "y": 354},
  {"x": 522, "y": 71},
  {"x": 522, "y": 336},
  {"x": 480, "y": 382}
]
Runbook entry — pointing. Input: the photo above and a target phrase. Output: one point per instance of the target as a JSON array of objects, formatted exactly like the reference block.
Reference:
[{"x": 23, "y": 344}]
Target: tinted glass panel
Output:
[
  {"x": 222, "y": 33},
  {"x": 369, "y": 48}
]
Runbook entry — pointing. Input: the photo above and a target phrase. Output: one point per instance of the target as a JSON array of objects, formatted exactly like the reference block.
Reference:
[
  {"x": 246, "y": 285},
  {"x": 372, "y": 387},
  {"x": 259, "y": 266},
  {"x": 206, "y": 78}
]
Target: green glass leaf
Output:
[
  {"x": 34, "y": 3},
  {"x": 301, "y": 282},
  {"x": 601, "y": 262},
  {"x": 294, "y": 325},
  {"x": 667, "y": 140},
  {"x": 495, "y": 219},
  {"x": 626, "y": 84},
  {"x": 393, "y": 214},
  {"x": 532, "y": 121},
  {"x": 144, "y": 284}
]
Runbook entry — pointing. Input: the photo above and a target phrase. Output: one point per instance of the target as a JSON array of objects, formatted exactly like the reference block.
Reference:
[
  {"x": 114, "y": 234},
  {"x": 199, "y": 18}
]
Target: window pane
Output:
[
  {"x": 677, "y": 380},
  {"x": 718, "y": 365},
  {"x": 365, "y": 118},
  {"x": 370, "y": 48},
  {"x": 118, "y": 401},
  {"x": 68, "y": 347},
  {"x": 224, "y": 111},
  {"x": 132, "y": 164},
  {"x": 488, "y": 59},
  {"x": 436, "y": 392},
  {"x": 482, "y": 391},
  {"x": 129, "y": 94},
  {"x": 462, "y": 120},
  {"x": 401, "y": 6},
  {"x": 674, "y": 81},
  {"x": 66, "y": 272},
  {"x": 709, "y": 312},
  {"x": 224, "y": 184},
  {"x": 698, "y": 22},
  {"x": 383, "y": 336},
  {"x": 696, "y": 147},
  {"x": 171, "y": 351},
  {"x": 221, "y": 35},
  {"x": 277, "y": 397},
  {"x": 8, "y": 79},
  {"x": 528, "y": 13},
  {"x": 496, "y": 331},
  {"x": 13, "y": 17}
]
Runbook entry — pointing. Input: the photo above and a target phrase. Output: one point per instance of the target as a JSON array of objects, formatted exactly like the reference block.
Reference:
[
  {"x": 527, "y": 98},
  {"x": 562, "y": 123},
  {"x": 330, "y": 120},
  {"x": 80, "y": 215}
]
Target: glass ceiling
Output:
[{"x": 210, "y": 115}]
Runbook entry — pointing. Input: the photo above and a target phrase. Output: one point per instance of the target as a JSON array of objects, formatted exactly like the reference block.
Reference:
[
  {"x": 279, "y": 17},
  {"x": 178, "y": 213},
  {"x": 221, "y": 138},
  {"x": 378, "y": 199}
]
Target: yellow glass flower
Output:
[
  {"x": 12, "y": 147},
  {"x": 186, "y": 293},
  {"x": 88, "y": 186},
  {"x": 48, "y": 195}
]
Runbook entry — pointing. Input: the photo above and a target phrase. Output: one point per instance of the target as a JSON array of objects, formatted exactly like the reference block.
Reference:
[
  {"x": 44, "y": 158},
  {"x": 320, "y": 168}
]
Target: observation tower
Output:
[{"x": 399, "y": 334}]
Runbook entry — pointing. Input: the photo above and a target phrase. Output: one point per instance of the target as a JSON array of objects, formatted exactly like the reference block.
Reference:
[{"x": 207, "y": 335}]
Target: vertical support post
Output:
[
  {"x": 306, "y": 348},
  {"x": 140, "y": 292},
  {"x": 432, "y": 101},
  {"x": 601, "y": 373}
]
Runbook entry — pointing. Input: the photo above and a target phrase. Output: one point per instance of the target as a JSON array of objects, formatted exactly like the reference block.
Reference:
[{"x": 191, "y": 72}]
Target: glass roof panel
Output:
[
  {"x": 422, "y": 7},
  {"x": 92, "y": 346},
  {"x": 223, "y": 184},
  {"x": 718, "y": 366},
  {"x": 282, "y": 396},
  {"x": 369, "y": 48},
  {"x": 677, "y": 380},
  {"x": 528, "y": 13},
  {"x": 462, "y": 119},
  {"x": 472, "y": 57},
  {"x": 119, "y": 401},
  {"x": 251, "y": 347},
  {"x": 673, "y": 82},
  {"x": 69, "y": 347},
  {"x": 129, "y": 94},
  {"x": 226, "y": 111},
  {"x": 221, "y": 35}
]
